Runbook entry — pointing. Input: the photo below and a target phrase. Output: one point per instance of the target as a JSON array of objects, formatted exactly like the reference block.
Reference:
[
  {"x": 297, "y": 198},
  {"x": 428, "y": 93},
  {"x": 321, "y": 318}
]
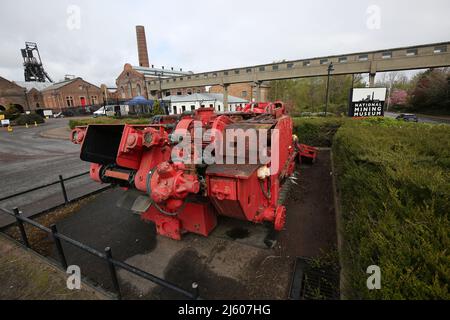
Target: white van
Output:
[{"x": 111, "y": 110}]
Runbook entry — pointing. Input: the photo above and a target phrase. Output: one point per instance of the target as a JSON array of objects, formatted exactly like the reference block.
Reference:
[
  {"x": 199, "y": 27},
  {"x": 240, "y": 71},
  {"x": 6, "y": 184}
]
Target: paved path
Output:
[
  {"x": 232, "y": 263},
  {"x": 28, "y": 160}
]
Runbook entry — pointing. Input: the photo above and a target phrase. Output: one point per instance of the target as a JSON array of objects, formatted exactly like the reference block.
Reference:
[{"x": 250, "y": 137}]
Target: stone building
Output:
[
  {"x": 245, "y": 91},
  {"x": 70, "y": 93},
  {"x": 12, "y": 94}
]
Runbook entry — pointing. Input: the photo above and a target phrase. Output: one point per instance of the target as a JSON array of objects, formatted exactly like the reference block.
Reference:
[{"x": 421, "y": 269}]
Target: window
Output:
[
  {"x": 211, "y": 106},
  {"x": 202, "y": 106},
  {"x": 122, "y": 92},
  {"x": 343, "y": 59},
  {"x": 387, "y": 55},
  {"x": 290, "y": 65},
  {"x": 411, "y": 52},
  {"x": 244, "y": 94},
  {"x": 225, "y": 73},
  {"x": 306, "y": 63},
  {"x": 174, "y": 109},
  {"x": 262, "y": 68},
  {"x": 215, "y": 74},
  {"x": 440, "y": 49},
  {"x": 189, "y": 92},
  {"x": 130, "y": 93},
  {"x": 69, "y": 101},
  {"x": 249, "y": 70},
  {"x": 275, "y": 67},
  {"x": 179, "y": 93},
  {"x": 192, "y": 107},
  {"x": 183, "y": 108},
  {"x": 323, "y": 61},
  {"x": 218, "y": 108},
  {"x": 363, "y": 57},
  {"x": 236, "y": 71},
  {"x": 138, "y": 89},
  {"x": 94, "y": 99}
]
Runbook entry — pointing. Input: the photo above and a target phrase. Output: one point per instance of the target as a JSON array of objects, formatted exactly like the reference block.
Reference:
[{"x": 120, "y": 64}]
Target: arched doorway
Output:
[
  {"x": 19, "y": 107},
  {"x": 2, "y": 108}
]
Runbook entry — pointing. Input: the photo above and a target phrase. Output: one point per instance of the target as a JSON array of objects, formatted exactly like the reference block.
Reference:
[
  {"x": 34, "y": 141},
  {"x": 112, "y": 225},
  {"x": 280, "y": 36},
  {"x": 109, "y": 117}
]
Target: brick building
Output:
[
  {"x": 245, "y": 91},
  {"x": 12, "y": 94},
  {"x": 34, "y": 95},
  {"x": 133, "y": 80},
  {"x": 71, "y": 93}
]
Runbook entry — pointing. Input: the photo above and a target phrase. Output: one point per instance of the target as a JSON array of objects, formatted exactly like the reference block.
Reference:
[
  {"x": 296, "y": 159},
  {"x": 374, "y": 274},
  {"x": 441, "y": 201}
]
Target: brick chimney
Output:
[{"x": 142, "y": 47}]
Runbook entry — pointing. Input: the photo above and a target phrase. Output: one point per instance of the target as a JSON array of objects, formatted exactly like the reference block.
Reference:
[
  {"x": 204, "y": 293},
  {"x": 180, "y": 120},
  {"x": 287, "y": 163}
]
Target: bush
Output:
[
  {"x": 107, "y": 120},
  {"x": 317, "y": 132},
  {"x": 24, "y": 119},
  {"x": 394, "y": 183},
  {"x": 12, "y": 112}
]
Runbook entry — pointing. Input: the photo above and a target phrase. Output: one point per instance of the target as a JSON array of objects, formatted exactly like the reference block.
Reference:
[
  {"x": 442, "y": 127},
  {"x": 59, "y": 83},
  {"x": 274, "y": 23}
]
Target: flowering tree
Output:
[{"x": 398, "y": 98}]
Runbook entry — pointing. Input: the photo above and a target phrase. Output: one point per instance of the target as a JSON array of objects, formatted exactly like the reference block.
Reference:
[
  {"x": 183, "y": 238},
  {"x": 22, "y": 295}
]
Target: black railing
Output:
[
  {"x": 106, "y": 255},
  {"x": 61, "y": 181}
]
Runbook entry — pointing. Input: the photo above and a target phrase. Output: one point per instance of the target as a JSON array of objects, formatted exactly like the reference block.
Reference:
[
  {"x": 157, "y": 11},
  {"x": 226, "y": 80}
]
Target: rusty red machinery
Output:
[{"x": 175, "y": 186}]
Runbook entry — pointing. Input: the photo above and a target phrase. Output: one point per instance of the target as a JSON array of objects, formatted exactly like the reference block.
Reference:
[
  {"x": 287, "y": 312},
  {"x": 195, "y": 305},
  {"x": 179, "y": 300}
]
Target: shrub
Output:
[
  {"x": 394, "y": 182},
  {"x": 107, "y": 120},
  {"x": 317, "y": 132},
  {"x": 24, "y": 119}
]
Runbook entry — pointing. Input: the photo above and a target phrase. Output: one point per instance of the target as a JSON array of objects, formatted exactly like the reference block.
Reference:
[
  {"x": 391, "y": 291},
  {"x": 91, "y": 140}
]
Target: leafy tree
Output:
[
  {"x": 431, "y": 92},
  {"x": 308, "y": 94},
  {"x": 157, "y": 109}
]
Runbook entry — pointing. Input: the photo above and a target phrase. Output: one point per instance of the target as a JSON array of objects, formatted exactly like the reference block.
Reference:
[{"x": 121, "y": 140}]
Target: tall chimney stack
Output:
[{"x": 142, "y": 47}]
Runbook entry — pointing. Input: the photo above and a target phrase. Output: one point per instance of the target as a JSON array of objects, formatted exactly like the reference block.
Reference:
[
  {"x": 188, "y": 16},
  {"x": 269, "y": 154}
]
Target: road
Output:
[
  {"x": 28, "y": 160},
  {"x": 421, "y": 118}
]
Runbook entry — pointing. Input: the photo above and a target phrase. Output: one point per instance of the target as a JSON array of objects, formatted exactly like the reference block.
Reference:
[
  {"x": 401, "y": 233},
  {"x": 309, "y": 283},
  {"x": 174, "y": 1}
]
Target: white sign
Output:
[
  {"x": 367, "y": 94},
  {"x": 5, "y": 122},
  {"x": 367, "y": 102},
  {"x": 48, "y": 113}
]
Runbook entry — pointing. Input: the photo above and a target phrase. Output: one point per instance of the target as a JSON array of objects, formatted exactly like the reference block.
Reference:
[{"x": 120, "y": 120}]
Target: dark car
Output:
[{"x": 407, "y": 117}]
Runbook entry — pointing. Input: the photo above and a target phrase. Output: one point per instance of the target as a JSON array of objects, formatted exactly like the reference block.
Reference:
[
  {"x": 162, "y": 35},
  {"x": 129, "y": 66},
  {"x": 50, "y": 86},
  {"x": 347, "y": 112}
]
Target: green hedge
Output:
[
  {"x": 317, "y": 132},
  {"x": 24, "y": 119},
  {"x": 394, "y": 183},
  {"x": 107, "y": 120}
]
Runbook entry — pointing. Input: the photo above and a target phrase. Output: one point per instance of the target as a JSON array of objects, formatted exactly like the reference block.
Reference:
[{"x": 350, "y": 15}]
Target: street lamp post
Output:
[{"x": 330, "y": 69}]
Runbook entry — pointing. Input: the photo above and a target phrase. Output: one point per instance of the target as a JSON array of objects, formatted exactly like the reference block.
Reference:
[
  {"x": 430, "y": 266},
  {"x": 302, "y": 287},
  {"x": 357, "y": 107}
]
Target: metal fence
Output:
[{"x": 106, "y": 255}]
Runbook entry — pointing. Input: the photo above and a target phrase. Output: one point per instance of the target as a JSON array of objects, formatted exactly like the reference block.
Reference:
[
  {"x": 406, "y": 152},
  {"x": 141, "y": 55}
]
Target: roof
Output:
[
  {"x": 36, "y": 85},
  {"x": 63, "y": 83},
  {"x": 164, "y": 73},
  {"x": 204, "y": 97}
]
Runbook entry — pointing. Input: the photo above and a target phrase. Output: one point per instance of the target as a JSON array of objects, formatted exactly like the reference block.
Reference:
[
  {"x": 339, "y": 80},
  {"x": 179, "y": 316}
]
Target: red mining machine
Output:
[{"x": 186, "y": 196}]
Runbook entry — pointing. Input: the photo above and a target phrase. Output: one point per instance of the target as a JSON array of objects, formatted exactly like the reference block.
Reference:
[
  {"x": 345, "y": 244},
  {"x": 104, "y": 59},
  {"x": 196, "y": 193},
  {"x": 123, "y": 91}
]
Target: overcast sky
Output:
[{"x": 207, "y": 35}]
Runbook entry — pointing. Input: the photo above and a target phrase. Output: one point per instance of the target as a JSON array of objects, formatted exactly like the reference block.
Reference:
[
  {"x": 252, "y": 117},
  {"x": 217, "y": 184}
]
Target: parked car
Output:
[{"x": 407, "y": 117}]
